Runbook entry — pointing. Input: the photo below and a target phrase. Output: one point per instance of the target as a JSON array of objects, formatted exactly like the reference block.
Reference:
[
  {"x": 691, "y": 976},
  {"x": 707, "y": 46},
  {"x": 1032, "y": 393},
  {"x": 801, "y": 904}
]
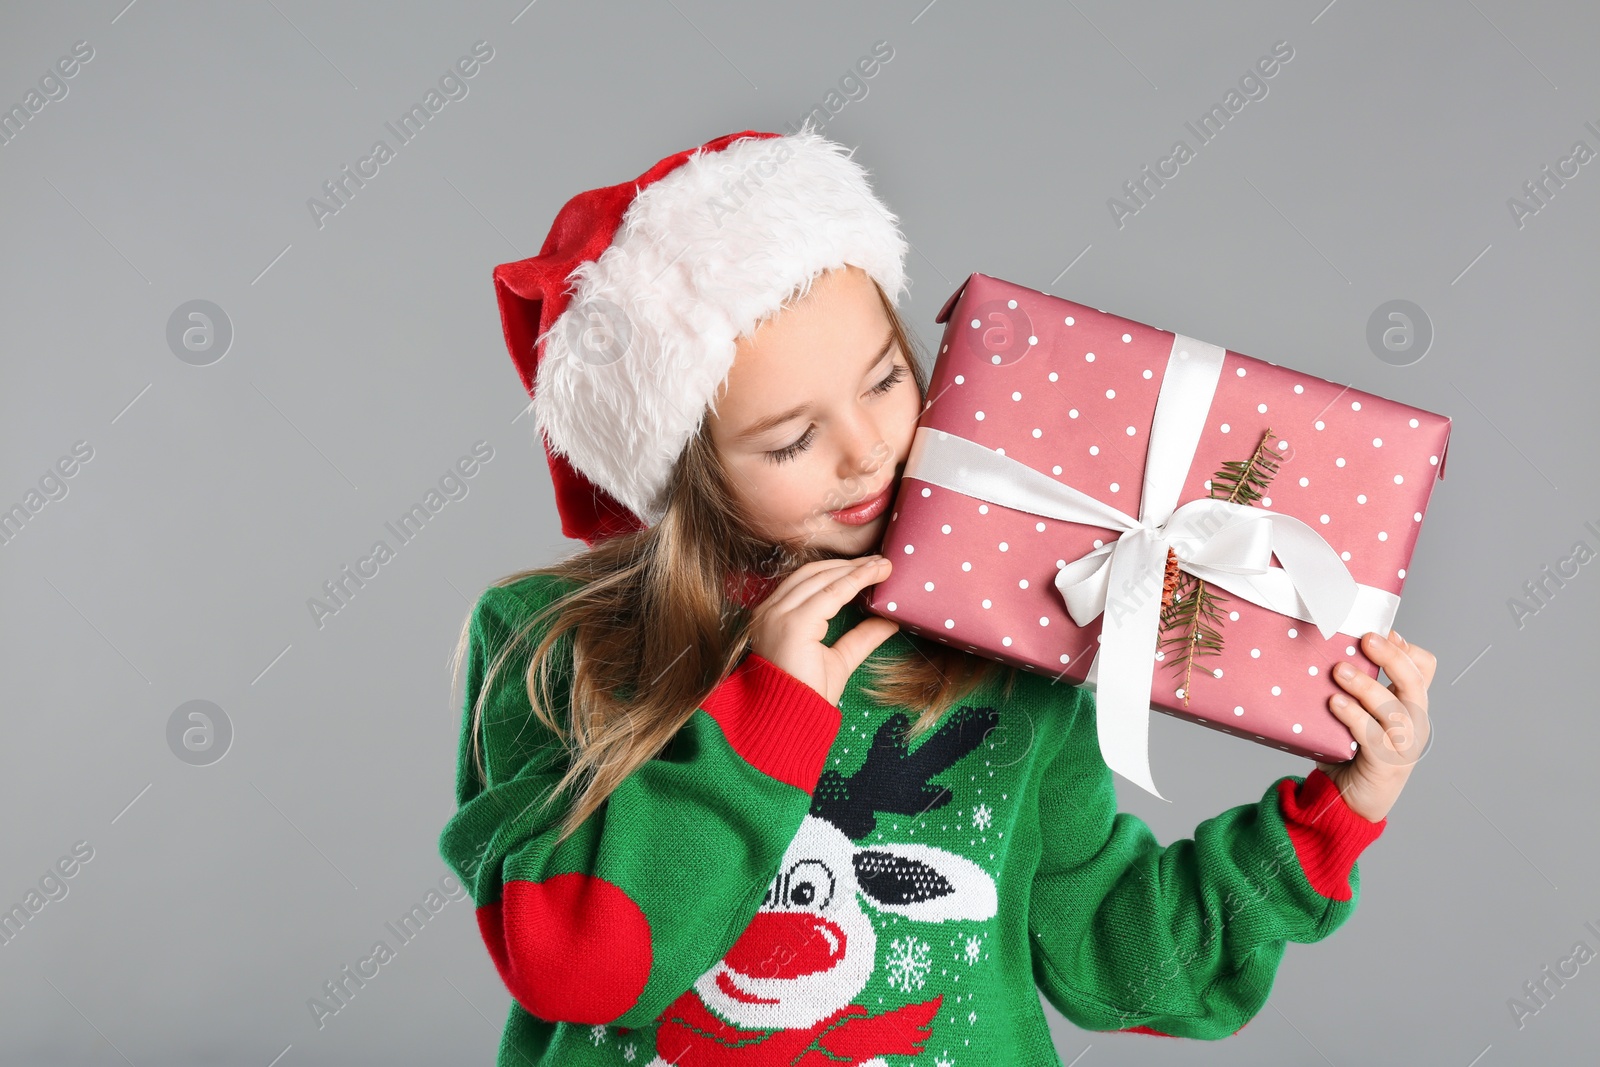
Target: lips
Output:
[
  {"x": 864, "y": 511},
  {"x": 864, "y": 500},
  {"x": 868, "y": 508}
]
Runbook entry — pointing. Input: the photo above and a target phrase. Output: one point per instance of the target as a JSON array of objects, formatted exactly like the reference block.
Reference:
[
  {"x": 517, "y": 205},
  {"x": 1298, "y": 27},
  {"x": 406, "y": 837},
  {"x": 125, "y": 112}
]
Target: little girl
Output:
[{"x": 696, "y": 830}]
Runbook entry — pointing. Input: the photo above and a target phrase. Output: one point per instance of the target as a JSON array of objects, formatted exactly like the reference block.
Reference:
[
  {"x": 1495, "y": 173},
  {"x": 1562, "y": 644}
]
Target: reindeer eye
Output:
[{"x": 809, "y": 885}]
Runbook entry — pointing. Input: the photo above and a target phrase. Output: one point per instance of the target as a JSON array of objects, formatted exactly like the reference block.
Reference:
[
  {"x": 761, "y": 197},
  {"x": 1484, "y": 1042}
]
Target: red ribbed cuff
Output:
[
  {"x": 1327, "y": 834},
  {"x": 774, "y": 721}
]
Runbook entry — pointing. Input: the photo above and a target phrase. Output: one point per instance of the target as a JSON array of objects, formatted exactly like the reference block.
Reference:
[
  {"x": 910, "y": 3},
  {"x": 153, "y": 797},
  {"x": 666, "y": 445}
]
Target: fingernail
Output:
[{"x": 1344, "y": 670}]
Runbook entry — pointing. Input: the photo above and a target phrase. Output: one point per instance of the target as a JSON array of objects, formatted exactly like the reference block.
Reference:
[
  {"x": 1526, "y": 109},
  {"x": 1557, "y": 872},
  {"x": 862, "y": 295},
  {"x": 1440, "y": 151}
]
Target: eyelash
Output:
[{"x": 784, "y": 454}]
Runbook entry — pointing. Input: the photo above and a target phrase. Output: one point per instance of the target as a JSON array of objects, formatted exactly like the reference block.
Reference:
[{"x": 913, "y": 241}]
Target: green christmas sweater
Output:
[{"x": 790, "y": 883}]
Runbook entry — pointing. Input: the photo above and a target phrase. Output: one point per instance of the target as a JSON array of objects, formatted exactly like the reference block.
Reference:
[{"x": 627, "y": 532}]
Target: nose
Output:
[
  {"x": 786, "y": 944},
  {"x": 865, "y": 452}
]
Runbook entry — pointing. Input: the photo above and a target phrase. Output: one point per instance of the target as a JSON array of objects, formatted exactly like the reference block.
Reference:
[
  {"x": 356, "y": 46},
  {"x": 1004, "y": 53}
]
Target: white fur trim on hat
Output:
[{"x": 702, "y": 257}]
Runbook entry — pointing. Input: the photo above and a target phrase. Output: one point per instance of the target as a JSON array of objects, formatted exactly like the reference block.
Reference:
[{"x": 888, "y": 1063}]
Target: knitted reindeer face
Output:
[{"x": 812, "y": 946}]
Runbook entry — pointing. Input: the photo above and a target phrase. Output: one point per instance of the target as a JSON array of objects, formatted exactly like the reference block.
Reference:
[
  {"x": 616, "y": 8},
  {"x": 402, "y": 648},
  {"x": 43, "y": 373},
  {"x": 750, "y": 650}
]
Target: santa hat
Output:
[{"x": 623, "y": 327}]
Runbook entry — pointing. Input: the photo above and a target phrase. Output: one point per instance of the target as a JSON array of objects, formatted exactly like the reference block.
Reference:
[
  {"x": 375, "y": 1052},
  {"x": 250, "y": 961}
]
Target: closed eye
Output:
[
  {"x": 783, "y": 455},
  {"x": 895, "y": 377}
]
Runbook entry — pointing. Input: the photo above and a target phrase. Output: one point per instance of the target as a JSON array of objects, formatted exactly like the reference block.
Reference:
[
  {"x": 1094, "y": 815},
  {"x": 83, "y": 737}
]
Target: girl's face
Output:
[{"x": 818, "y": 415}]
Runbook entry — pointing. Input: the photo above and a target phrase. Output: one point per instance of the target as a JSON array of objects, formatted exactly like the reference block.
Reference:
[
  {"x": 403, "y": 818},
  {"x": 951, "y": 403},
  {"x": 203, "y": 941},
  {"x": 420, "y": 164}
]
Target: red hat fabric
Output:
[{"x": 623, "y": 328}]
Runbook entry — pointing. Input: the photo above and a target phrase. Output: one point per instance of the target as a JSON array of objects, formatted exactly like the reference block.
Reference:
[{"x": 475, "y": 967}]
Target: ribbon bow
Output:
[{"x": 1229, "y": 545}]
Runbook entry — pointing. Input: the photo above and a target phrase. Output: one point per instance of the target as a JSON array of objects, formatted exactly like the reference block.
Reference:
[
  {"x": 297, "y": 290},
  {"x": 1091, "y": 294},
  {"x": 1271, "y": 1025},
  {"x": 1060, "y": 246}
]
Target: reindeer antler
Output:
[{"x": 893, "y": 779}]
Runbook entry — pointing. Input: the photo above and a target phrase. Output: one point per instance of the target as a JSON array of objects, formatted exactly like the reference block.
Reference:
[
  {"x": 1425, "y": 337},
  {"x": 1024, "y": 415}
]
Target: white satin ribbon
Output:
[{"x": 1229, "y": 545}]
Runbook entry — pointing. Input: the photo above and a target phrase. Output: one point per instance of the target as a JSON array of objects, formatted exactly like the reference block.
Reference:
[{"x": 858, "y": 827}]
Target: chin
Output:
[{"x": 861, "y": 539}]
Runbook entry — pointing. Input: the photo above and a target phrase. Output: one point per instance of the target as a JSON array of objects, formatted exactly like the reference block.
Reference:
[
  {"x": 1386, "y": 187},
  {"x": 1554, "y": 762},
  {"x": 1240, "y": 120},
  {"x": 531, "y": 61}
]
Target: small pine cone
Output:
[{"x": 1169, "y": 584}]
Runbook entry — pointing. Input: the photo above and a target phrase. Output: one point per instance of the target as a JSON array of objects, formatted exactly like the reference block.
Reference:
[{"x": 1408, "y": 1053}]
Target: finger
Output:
[
  {"x": 1405, "y": 730},
  {"x": 1399, "y": 727},
  {"x": 1365, "y": 729},
  {"x": 1385, "y": 656},
  {"x": 1378, "y": 704},
  {"x": 1426, "y": 661},
  {"x": 857, "y": 644},
  {"x": 835, "y": 594},
  {"x": 836, "y": 581},
  {"x": 1356, "y": 681},
  {"x": 1402, "y": 670},
  {"x": 807, "y": 579},
  {"x": 1413, "y": 740}
]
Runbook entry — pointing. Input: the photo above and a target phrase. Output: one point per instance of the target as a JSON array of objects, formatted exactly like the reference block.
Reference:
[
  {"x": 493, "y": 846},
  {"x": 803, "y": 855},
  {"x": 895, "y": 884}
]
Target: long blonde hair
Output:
[{"x": 652, "y": 628}]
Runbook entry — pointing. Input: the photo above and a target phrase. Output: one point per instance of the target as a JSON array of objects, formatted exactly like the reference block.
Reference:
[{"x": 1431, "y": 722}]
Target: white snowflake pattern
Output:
[
  {"x": 973, "y": 947},
  {"x": 908, "y": 964},
  {"x": 982, "y": 816},
  {"x": 629, "y": 1052},
  {"x": 597, "y": 1034}
]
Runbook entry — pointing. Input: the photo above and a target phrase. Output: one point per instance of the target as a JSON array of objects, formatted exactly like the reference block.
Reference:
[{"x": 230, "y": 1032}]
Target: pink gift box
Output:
[{"x": 1071, "y": 392}]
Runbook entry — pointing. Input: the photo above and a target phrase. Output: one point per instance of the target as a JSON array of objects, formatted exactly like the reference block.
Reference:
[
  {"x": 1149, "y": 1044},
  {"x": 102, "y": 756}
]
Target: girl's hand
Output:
[
  {"x": 1390, "y": 724},
  {"x": 787, "y": 627}
]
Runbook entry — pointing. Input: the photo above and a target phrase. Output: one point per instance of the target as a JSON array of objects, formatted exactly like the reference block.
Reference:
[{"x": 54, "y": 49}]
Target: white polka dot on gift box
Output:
[
  {"x": 1104, "y": 369},
  {"x": 1101, "y": 371},
  {"x": 1345, "y": 465}
]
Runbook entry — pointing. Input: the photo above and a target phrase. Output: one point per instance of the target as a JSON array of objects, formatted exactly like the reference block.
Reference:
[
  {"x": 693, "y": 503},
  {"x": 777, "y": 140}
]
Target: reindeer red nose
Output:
[{"x": 786, "y": 944}]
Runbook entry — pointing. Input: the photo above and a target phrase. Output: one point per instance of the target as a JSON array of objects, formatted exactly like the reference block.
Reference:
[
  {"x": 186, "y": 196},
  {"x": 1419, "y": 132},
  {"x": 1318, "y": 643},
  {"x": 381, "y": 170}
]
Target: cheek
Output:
[
  {"x": 782, "y": 493},
  {"x": 910, "y": 411}
]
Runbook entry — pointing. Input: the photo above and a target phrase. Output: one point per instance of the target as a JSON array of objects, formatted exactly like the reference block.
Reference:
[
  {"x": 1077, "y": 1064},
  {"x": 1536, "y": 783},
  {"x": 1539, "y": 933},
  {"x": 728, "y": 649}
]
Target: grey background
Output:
[{"x": 367, "y": 358}]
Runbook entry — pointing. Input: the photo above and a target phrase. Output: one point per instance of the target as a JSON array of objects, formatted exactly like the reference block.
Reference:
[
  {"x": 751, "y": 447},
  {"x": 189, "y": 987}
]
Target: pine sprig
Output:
[
  {"x": 1188, "y": 605},
  {"x": 1194, "y": 612},
  {"x": 1245, "y": 483}
]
